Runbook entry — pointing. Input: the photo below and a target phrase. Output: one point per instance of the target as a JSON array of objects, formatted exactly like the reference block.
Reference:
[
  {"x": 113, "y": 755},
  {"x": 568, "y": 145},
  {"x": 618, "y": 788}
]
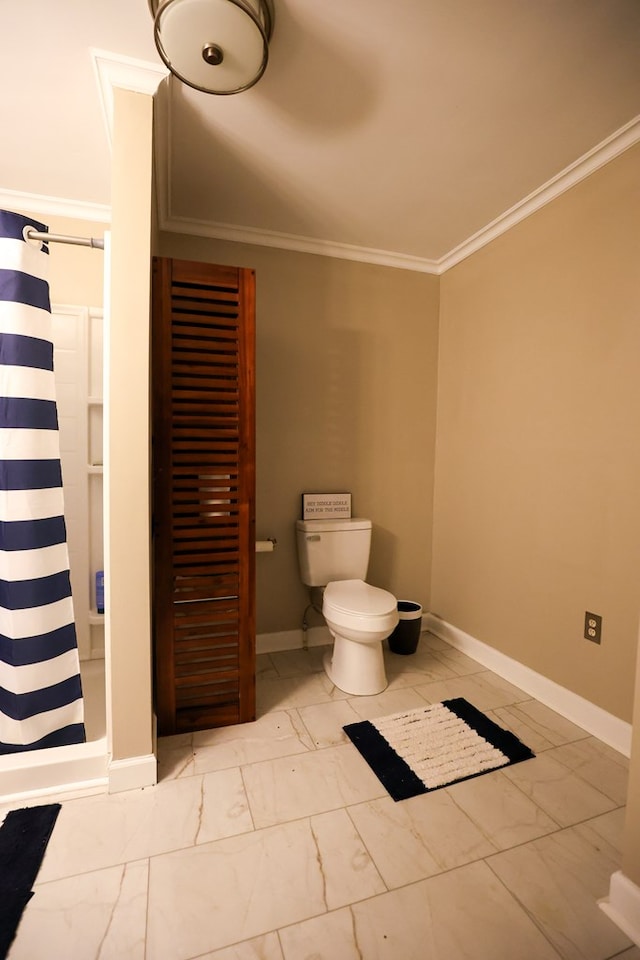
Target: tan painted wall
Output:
[
  {"x": 127, "y": 501},
  {"x": 537, "y": 511},
  {"x": 346, "y": 387},
  {"x": 75, "y": 273}
]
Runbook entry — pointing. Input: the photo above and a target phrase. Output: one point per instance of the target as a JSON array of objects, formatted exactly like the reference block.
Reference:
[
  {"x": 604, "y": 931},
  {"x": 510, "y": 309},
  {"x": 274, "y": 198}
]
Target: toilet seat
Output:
[
  {"x": 357, "y": 606},
  {"x": 358, "y": 597}
]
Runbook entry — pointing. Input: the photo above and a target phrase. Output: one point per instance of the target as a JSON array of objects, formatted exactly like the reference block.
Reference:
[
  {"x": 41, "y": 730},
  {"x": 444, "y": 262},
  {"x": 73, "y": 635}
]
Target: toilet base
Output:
[{"x": 356, "y": 668}]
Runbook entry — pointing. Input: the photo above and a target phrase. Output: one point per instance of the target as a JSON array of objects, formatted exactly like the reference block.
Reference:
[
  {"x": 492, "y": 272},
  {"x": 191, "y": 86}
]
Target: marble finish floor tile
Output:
[
  {"x": 420, "y": 667},
  {"x": 484, "y": 690},
  {"x": 418, "y": 838},
  {"x": 286, "y": 692},
  {"x": 506, "y": 816},
  {"x": 217, "y": 894},
  {"x": 607, "y": 828},
  {"x": 465, "y": 914},
  {"x": 563, "y": 795},
  {"x": 292, "y": 787},
  {"x": 424, "y": 659},
  {"x": 99, "y": 914},
  {"x": 432, "y": 642},
  {"x": 348, "y": 871},
  {"x": 224, "y": 809},
  {"x": 405, "y": 678},
  {"x": 328, "y": 937},
  {"x": 325, "y": 721},
  {"x": 385, "y": 703},
  {"x": 175, "y": 756},
  {"x": 537, "y": 725},
  {"x": 597, "y": 764},
  {"x": 456, "y": 661},
  {"x": 102, "y": 831},
  {"x": 206, "y": 897},
  {"x": 265, "y": 669},
  {"x": 559, "y": 880},
  {"x": 259, "y": 948},
  {"x": 277, "y": 734}
]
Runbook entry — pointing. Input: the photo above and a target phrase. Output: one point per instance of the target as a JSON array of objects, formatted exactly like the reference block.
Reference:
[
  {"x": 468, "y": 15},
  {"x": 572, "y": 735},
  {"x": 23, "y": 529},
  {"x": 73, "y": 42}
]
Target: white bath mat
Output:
[{"x": 420, "y": 750}]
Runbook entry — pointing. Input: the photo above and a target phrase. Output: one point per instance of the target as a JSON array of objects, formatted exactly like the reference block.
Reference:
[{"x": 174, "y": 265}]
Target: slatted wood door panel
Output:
[{"x": 204, "y": 494}]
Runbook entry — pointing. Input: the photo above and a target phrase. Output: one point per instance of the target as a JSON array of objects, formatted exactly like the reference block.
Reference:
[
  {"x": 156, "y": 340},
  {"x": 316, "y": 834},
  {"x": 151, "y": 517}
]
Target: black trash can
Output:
[{"x": 406, "y": 635}]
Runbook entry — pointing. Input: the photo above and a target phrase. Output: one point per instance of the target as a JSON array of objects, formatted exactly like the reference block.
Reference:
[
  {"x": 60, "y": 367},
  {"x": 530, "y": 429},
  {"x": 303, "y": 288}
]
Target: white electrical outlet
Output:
[{"x": 593, "y": 627}]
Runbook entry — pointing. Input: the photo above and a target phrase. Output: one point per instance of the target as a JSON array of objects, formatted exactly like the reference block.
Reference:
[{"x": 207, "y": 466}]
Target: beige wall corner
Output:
[
  {"x": 346, "y": 390},
  {"x": 537, "y": 516},
  {"x": 127, "y": 436}
]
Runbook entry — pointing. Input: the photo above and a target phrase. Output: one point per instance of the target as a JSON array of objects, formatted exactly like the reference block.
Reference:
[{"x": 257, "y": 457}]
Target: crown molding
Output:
[
  {"x": 624, "y": 138},
  {"x": 112, "y": 70},
  {"x": 299, "y": 244},
  {"x": 39, "y": 204}
]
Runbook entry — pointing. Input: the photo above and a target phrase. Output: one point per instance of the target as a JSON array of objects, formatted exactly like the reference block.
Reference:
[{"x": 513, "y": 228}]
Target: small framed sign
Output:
[{"x": 326, "y": 506}]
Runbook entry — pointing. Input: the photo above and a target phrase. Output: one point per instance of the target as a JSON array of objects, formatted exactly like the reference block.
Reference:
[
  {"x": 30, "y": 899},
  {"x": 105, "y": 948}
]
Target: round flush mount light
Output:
[{"x": 216, "y": 46}]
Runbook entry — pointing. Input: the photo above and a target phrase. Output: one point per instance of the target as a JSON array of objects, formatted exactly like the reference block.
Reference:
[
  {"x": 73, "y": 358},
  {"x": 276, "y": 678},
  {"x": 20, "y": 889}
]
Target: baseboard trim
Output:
[
  {"x": 596, "y": 721},
  {"x": 623, "y": 905},
  {"x": 134, "y": 773}
]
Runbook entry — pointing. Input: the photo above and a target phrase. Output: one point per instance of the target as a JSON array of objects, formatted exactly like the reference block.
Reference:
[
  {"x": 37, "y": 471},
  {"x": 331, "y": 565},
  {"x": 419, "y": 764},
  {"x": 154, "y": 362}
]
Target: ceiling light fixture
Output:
[{"x": 216, "y": 46}]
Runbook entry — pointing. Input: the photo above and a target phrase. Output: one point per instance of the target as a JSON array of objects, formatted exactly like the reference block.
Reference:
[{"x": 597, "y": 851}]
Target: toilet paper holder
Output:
[{"x": 266, "y": 546}]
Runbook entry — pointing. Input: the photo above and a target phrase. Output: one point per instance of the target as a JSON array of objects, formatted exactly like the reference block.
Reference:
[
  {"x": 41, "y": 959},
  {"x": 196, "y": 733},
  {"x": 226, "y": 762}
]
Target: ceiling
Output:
[{"x": 396, "y": 131}]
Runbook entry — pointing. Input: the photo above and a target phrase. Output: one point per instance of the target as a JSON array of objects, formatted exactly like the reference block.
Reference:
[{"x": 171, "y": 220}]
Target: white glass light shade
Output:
[{"x": 234, "y": 32}]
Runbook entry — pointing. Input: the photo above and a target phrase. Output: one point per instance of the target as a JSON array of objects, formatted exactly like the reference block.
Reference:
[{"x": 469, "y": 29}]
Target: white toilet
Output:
[{"x": 334, "y": 555}]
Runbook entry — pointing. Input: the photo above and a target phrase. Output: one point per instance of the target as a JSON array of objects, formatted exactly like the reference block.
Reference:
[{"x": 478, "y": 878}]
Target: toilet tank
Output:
[{"x": 333, "y": 550}]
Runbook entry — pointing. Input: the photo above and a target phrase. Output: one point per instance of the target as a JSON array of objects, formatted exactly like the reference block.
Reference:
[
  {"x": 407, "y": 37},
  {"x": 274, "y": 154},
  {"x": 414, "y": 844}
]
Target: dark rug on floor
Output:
[
  {"x": 421, "y": 750},
  {"x": 24, "y": 836}
]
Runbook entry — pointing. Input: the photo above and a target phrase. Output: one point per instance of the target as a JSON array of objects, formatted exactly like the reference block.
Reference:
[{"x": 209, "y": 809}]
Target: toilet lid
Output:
[{"x": 356, "y": 596}]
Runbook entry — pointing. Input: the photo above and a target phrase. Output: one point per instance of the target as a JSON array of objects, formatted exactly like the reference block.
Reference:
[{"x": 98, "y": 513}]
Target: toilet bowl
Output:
[{"x": 359, "y": 617}]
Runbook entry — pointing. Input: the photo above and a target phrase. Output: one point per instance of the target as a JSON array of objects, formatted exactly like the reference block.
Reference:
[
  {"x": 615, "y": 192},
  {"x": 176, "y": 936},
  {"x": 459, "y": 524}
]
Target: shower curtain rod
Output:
[{"x": 60, "y": 238}]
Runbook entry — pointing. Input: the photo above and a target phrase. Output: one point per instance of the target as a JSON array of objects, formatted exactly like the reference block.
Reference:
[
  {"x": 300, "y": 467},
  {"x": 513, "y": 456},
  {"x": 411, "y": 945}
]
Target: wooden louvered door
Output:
[{"x": 203, "y": 376}]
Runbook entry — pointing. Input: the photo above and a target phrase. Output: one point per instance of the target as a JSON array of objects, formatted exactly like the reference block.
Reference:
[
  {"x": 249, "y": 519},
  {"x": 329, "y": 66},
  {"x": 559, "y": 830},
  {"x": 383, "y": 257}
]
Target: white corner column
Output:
[
  {"x": 128, "y": 90},
  {"x": 623, "y": 903}
]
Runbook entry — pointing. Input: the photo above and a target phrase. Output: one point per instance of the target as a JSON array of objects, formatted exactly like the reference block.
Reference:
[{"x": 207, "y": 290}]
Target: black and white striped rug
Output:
[{"x": 421, "y": 750}]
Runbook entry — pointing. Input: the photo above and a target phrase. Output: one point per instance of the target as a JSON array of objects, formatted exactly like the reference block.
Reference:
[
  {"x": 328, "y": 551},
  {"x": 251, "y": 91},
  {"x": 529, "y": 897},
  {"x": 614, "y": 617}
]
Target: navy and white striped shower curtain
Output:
[{"x": 40, "y": 691}]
